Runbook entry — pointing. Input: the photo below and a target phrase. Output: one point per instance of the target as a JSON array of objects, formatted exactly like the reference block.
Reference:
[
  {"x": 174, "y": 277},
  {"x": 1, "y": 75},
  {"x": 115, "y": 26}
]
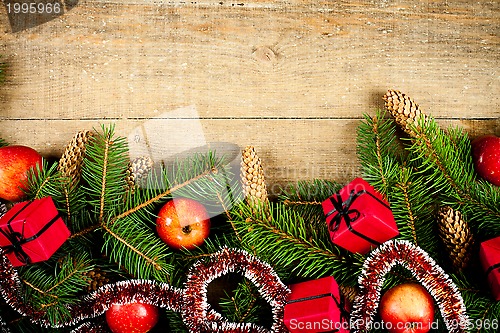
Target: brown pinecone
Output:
[
  {"x": 71, "y": 160},
  {"x": 3, "y": 209},
  {"x": 349, "y": 293},
  {"x": 404, "y": 110},
  {"x": 456, "y": 236},
  {"x": 252, "y": 176},
  {"x": 138, "y": 170},
  {"x": 96, "y": 278}
]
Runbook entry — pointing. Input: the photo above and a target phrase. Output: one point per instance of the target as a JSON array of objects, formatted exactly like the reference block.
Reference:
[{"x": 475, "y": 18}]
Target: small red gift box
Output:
[
  {"x": 359, "y": 218},
  {"x": 489, "y": 254},
  {"x": 316, "y": 306},
  {"x": 32, "y": 231}
]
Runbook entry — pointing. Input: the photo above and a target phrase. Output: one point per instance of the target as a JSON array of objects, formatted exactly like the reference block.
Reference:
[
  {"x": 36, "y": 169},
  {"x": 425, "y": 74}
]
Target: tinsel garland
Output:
[
  {"x": 198, "y": 315},
  {"x": 191, "y": 301},
  {"x": 423, "y": 268}
]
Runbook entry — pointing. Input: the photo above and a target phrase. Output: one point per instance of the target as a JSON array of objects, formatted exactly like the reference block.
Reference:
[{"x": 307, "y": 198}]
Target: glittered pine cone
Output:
[
  {"x": 252, "y": 176},
  {"x": 456, "y": 236},
  {"x": 138, "y": 170},
  {"x": 404, "y": 110},
  {"x": 70, "y": 164}
]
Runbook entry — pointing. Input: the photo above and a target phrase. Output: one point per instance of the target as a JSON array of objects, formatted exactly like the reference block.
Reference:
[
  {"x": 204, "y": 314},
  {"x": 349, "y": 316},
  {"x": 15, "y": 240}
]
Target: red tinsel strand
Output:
[
  {"x": 200, "y": 317},
  {"x": 191, "y": 302},
  {"x": 423, "y": 268}
]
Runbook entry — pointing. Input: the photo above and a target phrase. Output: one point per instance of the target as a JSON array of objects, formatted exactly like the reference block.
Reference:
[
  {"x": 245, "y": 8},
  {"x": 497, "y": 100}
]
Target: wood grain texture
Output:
[{"x": 290, "y": 77}]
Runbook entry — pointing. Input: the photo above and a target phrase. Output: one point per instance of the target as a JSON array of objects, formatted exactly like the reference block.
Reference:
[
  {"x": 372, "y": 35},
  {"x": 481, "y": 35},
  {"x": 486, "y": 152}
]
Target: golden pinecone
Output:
[
  {"x": 456, "y": 236},
  {"x": 71, "y": 160},
  {"x": 96, "y": 278},
  {"x": 404, "y": 110},
  {"x": 252, "y": 176},
  {"x": 138, "y": 170},
  {"x": 349, "y": 293}
]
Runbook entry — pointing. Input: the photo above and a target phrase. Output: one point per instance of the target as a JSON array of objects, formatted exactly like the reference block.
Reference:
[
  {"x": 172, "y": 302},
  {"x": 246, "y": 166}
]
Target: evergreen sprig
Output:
[
  {"x": 379, "y": 152},
  {"x": 51, "y": 287},
  {"x": 290, "y": 243},
  {"x": 445, "y": 158},
  {"x": 305, "y": 197}
]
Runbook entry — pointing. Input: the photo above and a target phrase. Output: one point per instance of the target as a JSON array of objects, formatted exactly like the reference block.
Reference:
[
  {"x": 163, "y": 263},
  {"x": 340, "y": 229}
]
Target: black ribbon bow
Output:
[
  {"x": 17, "y": 239},
  {"x": 345, "y": 213}
]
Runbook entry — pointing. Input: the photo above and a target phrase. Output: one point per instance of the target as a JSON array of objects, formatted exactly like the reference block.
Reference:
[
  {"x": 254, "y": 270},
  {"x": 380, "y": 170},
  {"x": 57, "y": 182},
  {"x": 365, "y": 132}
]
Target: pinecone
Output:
[
  {"x": 138, "y": 170},
  {"x": 349, "y": 292},
  {"x": 456, "y": 236},
  {"x": 96, "y": 278},
  {"x": 71, "y": 160},
  {"x": 252, "y": 176},
  {"x": 404, "y": 110},
  {"x": 3, "y": 209}
]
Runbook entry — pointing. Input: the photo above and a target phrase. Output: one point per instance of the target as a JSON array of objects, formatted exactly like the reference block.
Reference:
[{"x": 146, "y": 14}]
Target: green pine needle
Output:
[{"x": 288, "y": 242}]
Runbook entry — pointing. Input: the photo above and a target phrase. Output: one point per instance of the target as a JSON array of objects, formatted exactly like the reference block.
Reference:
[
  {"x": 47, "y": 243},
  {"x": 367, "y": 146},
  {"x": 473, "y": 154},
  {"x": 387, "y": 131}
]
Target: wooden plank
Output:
[
  {"x": 291, "y": 150},
  {"x": 294, "y": 59}
]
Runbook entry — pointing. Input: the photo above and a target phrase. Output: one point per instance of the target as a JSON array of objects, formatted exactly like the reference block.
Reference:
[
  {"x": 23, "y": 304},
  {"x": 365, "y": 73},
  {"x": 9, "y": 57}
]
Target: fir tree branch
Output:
[
  {"x": 287, "y": 242},
  {"x": 162, "y": 195},
  {"x": 445, "y": 158},
  {"x": 378, "y": 151},
  {"x": 147, "y": 259}
]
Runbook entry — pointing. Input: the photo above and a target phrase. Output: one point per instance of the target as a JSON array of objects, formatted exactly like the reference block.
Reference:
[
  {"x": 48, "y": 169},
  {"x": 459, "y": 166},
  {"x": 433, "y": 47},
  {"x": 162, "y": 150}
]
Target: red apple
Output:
[
  {"x": 15, "y": 162},
  {"x": 486, "y": 157},
  {"x": 407, "y": 308},
  {"x": 132, "y": 318},
  {"x": 183, "y": 223}
]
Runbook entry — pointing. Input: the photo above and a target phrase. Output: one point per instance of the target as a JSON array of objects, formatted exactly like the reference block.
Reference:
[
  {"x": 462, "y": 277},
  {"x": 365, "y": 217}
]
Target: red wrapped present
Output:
[
  {"x": 489, "y": 254},
  {"x": 32, "y": 231},
  {"x": 359, "y": 218},
  {"x": 316, "y": 306}
]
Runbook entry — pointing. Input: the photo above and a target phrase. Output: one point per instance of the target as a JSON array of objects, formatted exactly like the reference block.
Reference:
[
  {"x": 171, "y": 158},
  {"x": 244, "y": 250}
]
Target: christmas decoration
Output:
[
  {"x": 200, "y": 317},
  {"x": 3, "y": 209},
  {"x": 404, "y": 110},
  {"x": 138, "y": 170},
  {"x": 456, "y": 236},
  {"x": 358, "y": 218},
  {"x": 489, "y": 254},
  {"x": 407, "y": 308},
  {"x": 132, "y": 317},
  {"x": 15, "y": 163},
  {"x": 316, "y": 306},
  {"x": 71, "y": 161},
  {"x": 32, "y": 231},
  {"x": 423, "y": 268},
  {"x": 183, "y": 223},
  {"x": 114, "y": 249},
  {"x": 192, "y": 301},
  {"x": 486, "y": 156},
  {"x": 252, "y": 176}
]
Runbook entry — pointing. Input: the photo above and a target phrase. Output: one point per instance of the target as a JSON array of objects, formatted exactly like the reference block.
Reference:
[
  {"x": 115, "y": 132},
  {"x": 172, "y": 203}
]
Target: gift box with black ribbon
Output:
[
  {"x": 489, "y": 254},
  {"x": 316, "y": 306},
  {"x": 359, "y": 218},
  {"x": 32, "y": 231}
]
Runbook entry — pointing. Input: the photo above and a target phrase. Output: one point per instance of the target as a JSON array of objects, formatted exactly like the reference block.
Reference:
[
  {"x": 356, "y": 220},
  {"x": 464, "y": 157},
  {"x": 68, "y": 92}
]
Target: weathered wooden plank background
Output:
[{"x": 291, "y": 77}]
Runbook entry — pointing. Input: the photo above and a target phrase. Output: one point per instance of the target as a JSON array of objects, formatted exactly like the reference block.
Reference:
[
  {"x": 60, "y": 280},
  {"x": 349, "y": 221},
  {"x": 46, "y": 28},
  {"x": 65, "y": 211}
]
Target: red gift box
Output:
[
  {"x": 489, "y": 254},
  {"x": 359, "y": 218},
  {"x": 32, "y": 231},
  {"x": 316, "y": 306}
]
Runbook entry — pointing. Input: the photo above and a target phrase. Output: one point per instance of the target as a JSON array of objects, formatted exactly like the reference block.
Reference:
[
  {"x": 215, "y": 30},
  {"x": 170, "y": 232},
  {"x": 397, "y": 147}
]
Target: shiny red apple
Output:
[
  {"x": 183, "y": 223},
  {"x": 132, "y": 318},
  {"x": 486, "y": 157},
  {"x": 15, "y": 162},
  {"x": 407, "y": 308}
]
